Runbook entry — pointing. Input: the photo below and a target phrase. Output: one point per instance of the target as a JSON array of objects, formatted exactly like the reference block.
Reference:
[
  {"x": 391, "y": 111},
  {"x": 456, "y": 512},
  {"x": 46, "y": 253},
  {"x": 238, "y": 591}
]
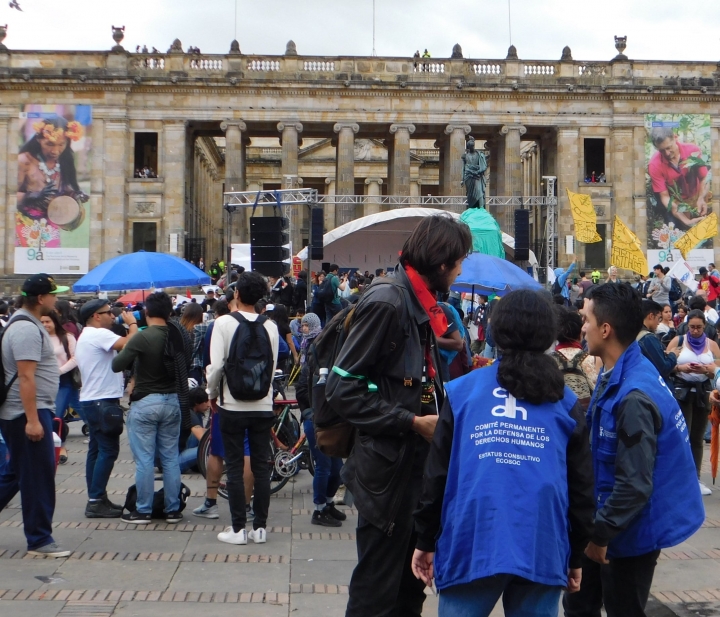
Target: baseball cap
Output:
[
  {"x": 88, "y": 309},
  {"x": 703, "y": 270},
  {"x": 40, "y": 284},
  {"x": 269, "y": 308}
]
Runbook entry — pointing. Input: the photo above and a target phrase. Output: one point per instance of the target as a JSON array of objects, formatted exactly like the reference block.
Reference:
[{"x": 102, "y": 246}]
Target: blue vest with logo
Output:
[
  {"x": 675, "y": 510},
  {"x": 505, "y": 508}
]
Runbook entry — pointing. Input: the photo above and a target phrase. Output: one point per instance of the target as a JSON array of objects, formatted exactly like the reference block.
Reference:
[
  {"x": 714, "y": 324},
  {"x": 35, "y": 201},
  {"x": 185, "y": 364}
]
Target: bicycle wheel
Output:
[
  {"x": 277, "y": 481},
  {"x": 202, "y": 459},
  {"x": 307, "y": 461},
  {"x": 203, "y": 453}
]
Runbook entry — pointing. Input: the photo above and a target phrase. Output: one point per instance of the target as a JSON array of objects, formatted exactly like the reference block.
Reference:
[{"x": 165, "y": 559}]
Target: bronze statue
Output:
[{"x": 474, "y": 167}]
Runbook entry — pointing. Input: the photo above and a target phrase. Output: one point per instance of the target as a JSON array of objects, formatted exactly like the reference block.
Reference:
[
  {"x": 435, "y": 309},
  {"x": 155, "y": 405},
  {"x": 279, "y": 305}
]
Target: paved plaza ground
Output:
[{"x": 121, "y": 570}]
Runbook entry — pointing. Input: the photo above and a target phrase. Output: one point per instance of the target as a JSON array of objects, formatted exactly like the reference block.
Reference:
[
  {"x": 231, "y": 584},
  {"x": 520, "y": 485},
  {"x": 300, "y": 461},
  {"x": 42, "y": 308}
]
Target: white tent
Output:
[{"x": 375, "y": 241}]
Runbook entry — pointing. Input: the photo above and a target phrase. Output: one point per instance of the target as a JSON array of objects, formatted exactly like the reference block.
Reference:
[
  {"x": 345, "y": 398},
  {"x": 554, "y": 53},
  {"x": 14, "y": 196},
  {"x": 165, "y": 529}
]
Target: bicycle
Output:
[
  {"x": 288, "y": 459},
  {"x": 289, "y": 450}
]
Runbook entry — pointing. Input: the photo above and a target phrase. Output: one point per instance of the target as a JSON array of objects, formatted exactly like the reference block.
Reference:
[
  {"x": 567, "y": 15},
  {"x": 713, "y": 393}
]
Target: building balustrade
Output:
[{"x": 624, "y": 74}]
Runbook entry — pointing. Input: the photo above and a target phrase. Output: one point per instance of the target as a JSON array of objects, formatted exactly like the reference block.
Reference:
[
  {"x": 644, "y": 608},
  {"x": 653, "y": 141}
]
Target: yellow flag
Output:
[
  {"x": 584, "y": 216},
  {"x": 626, "y": 252},
  {"x": 707, "y": 228}
]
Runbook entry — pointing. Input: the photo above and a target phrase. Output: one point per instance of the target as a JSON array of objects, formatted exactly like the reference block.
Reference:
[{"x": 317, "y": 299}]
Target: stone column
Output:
[
  {"x": 400, "y": 179},
  {"x": 95, "y": 205},
  {"x": 6, "y": 238},
  {"x": 289, "y": 140},
  {"x": 513, "y": 165},
  {"x": 452, "y": 163},
  {"x": 235, "y": 173},
  {"x": 115, "y": 234},
  {"x": 330, "y": 208},
  {"x": 441, "y": 145},
  {"x": 373, "y": 192},
  {"x": 345, "y": 169},
  {"x": 568, "y": 150},
  {"x": 623, "y": 175},
  {"x": 174, "y": 174}
]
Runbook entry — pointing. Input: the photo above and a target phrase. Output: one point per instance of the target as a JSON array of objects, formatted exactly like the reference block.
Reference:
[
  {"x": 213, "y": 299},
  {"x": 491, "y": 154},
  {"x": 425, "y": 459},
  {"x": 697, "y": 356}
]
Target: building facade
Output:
[{"x": 171, "y": 132}]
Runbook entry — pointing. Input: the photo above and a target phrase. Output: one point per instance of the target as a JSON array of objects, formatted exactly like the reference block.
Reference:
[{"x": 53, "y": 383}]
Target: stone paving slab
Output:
[{"x": 302, "y": 571}]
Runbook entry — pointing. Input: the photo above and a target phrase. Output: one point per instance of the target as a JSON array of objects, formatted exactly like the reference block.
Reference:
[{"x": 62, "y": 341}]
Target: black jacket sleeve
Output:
[
  {"x": 653, "y": 350},
  {"x": 429, "y": 510},
  {"x": 302, "y": 388},
  {"x": 366, "y": 348},
  {"x": 580, "y": 487},
  {"x": 638, "y": 424}
]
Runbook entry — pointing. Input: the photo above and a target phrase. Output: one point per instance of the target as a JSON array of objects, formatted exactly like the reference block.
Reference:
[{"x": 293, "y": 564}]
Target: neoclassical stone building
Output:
[{"x": 367, "y": 126}]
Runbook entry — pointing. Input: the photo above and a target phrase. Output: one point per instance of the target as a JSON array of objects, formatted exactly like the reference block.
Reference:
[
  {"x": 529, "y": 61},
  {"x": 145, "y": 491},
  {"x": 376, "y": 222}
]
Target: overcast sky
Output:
[{"x": 656, "y": 29}]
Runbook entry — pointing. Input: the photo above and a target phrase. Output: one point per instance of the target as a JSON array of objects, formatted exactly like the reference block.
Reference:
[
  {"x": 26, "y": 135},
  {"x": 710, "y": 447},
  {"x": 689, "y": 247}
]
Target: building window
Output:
[
  {"x": 146, "y": 155},
  {"x": 145, "y": 237},
  {"x": 595, "y": 257},
  {"x": 594, "y": 160}
]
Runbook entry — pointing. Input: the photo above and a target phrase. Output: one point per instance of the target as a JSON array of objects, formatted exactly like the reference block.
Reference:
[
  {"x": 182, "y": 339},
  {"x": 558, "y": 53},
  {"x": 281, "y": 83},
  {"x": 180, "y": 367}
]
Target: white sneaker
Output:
[
  {"x": 230, "y": 537},
  {"x": 259, "y": 536},
  {"x": 704, "y": 490}
]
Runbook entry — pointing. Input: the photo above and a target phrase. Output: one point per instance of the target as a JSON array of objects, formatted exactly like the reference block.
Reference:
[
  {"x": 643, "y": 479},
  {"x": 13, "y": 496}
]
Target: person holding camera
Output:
[{"x": 100, "y": 399}]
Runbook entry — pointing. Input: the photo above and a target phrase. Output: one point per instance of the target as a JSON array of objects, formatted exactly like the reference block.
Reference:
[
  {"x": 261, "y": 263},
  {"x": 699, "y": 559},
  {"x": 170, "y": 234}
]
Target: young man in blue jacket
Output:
[
  {"x": 650, "y": 345},
  {"x": 644, "y": 472}
]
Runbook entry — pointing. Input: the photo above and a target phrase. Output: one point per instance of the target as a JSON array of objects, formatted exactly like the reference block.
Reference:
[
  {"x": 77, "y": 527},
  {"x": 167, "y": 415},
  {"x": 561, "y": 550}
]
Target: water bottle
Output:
[
  {"x": 322, "y": 380},
  {"x": 136, "y": 314}
]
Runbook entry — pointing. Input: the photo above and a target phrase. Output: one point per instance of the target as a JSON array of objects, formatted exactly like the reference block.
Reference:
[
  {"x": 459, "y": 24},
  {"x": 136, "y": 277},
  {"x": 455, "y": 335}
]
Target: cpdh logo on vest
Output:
[{"x": 510, "y": 409}]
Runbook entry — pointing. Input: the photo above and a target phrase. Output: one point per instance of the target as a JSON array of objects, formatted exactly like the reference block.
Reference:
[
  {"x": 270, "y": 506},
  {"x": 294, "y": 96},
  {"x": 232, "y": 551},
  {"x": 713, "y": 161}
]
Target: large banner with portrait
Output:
[
  {"x": 52, "y": 221},
  {"x": 677, "y": 180}
]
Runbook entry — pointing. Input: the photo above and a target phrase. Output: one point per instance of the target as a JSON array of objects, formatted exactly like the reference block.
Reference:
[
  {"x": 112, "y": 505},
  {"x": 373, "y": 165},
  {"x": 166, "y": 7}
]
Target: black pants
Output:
[
  {"x": 382, "y": 584},
  {"x": 233, "y": 425},
  {"x": 623, "y": 587}
]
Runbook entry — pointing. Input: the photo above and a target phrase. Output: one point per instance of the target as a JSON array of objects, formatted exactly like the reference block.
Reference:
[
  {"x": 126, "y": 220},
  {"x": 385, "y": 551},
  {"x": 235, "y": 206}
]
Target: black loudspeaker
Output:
[
  {"x": 317, "y": 227},
  {"x": 522, "y": 235},
  {"x": 267, "y": 237}
]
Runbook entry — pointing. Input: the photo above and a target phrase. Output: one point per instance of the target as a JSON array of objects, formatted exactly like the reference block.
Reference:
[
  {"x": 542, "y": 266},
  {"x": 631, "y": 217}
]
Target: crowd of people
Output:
[{"x": 532, "y": 447}]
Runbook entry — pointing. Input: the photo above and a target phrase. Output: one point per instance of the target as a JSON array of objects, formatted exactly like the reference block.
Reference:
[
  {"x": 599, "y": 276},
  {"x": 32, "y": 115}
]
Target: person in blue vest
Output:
[
  {"x": 507, "y": 498},
  {"x": 645, "y": 480}
]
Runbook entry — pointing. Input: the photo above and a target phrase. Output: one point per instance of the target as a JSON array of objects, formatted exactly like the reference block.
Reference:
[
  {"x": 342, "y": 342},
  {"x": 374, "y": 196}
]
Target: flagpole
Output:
[
  {"x": 509, "y": 23},
  {"x": 374, "y": 53}
]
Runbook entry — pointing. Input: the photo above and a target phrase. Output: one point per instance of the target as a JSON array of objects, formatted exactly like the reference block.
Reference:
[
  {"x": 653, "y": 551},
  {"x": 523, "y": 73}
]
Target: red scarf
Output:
[
  {"x": 571, "y": 345},
  {"x": 438, "y": 321}
]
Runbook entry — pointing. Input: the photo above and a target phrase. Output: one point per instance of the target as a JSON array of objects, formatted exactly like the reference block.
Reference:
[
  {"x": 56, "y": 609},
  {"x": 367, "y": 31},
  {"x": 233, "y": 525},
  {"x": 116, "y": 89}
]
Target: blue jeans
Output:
[
  {"x": 31, "y": 470},
  {"x": 103, "y": 449},
  {"x": 188, "y": 457},
  {"x": 327, "y": 469},
  {"x": 154, "y": 426},
  {"x": 521, "y": 598},
  {"x": 67, "y": 397},
  {"x": 4, "y": 458}
]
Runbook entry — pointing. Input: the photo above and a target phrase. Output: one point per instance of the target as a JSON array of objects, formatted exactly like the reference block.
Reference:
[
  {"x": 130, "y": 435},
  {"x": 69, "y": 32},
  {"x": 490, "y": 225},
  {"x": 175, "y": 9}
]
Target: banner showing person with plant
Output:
[{"x": 677, "y": 151}]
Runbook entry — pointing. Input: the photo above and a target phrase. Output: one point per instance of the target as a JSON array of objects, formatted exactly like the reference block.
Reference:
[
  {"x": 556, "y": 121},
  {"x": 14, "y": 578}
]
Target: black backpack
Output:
[
  {"x": 675, "y": 290},
  {"x": 334, "y": 435},
  {"x": 5, "y": 387},
  {"x": 325, "y": 292},
  {"x": 249, "y": 365},
  {"x": 158, "y": 505},
  {"x": 556, "y": 289}
]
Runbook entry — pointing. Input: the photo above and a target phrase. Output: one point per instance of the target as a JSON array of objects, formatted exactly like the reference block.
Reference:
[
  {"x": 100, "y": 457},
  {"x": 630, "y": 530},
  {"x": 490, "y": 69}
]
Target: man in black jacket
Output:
[{"x": 386, "y": 382}]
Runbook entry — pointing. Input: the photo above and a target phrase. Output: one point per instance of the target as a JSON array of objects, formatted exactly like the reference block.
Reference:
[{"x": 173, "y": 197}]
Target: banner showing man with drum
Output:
[{"x": 51, "y": 230}]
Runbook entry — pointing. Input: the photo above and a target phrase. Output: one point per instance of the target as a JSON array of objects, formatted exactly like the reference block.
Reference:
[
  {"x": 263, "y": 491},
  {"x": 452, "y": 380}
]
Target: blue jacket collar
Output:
[{"x": 629, "y": 358}]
